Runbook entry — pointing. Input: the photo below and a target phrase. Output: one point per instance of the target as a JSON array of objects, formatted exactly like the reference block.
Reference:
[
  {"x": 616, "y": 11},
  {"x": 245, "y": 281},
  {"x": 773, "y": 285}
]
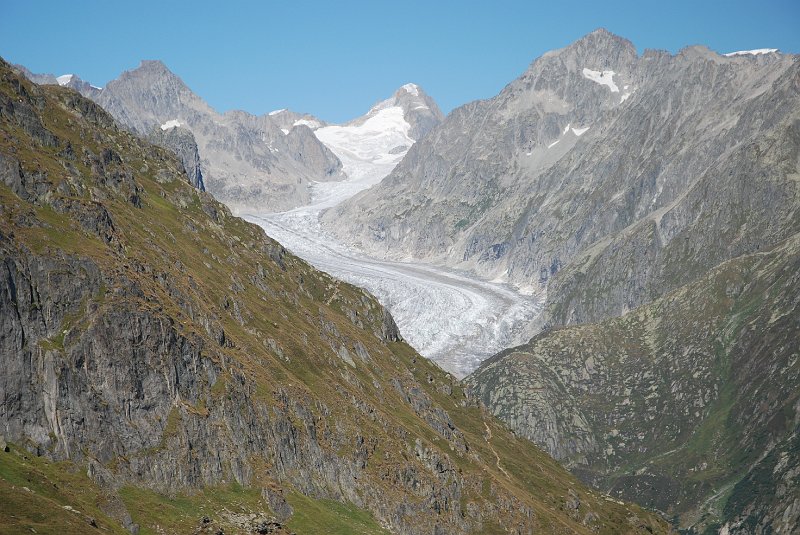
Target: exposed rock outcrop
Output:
[
  {"x": 689, "y": 405},
  {"x": 182, "y": 143}
]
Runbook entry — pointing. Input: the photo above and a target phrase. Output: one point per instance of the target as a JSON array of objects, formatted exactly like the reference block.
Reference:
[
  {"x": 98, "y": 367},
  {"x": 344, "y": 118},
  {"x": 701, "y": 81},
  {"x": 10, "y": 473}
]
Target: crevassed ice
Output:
[
  {"x": 605, "y": 78},
  {"x": 454, "y": 319}
]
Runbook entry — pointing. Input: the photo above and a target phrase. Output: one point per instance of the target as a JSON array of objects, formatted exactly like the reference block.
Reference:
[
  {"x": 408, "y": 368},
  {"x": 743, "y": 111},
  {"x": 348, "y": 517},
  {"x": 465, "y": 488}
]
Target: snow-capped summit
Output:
[
  {"x": 418, "y": 110},
  {"x": 371, "y": 145},
  {"x": 412, "y": 89},
  {"x": 74, "y": 82}
]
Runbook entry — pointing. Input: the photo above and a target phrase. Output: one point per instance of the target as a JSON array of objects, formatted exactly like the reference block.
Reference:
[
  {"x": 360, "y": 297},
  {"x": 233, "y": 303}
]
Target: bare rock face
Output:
[
  {"x": 670, "y": 403},
  {"x": 182, "y": 143},
  {"x": 655, "y": 198}
]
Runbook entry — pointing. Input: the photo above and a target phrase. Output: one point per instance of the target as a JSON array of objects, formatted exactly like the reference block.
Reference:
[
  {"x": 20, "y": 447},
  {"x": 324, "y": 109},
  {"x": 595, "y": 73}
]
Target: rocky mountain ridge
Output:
[
  {"x": 597, "y": 174},
  {"x": 248, "y": 161},
  {"x": 257, "y": 164},
  {"x": 203, "y": 378}
]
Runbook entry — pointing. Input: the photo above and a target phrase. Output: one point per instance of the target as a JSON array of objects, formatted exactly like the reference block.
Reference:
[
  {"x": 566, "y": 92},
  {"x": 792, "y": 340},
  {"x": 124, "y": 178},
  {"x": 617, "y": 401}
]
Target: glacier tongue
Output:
[{"x": 451, "y": 318}]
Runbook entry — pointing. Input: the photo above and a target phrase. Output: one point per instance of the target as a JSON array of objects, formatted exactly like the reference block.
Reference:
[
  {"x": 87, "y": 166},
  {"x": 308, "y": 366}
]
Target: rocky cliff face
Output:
[
  {"x": 204, "y": 378},
  {"x": 689, "y": 404},
  {"x": 248, "y": 161},
  {"x": 181, "y": 141},
  {"x": 606, "y": 177}
]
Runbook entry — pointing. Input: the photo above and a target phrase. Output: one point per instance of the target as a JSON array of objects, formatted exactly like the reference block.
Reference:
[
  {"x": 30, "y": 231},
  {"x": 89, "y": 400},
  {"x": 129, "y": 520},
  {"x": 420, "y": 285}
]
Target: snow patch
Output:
[
  {"x": 579, "y": 131},
  {"x": 311, "y": 124},
  {"x": 170, "y": 124},
  {"x": 276, "y": 112},
  {"x": 566, "y": 129},
  {"x": 756, "y": 52},
  {"x": 553, "y": 144},
  {"x": 64, "y": 79},
  {"x": 285, "y": 132},
  {"x": 605, "y": 78},
  {"x": 412, "y": 89}
]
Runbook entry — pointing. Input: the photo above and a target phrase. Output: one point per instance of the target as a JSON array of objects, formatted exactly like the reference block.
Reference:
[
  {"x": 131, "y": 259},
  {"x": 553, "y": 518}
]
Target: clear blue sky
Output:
[{"x": 335, "y": 58}]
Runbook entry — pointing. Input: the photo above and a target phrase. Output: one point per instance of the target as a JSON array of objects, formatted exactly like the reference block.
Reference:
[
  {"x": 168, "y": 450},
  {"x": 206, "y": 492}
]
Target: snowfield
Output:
[
  {"x": 605, "y": 78},
  {"x": 452, "y": 318}
]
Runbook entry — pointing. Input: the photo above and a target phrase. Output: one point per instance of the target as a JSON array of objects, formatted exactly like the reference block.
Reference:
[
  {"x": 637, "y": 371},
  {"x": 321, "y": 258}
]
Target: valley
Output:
[
  {"x": 570, "y": 307},
  {"x": 452, "y": 318}
]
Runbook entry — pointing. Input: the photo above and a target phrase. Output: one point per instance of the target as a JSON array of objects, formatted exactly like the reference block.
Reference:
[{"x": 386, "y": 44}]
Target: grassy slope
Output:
[{"x": 35, "y": 493}]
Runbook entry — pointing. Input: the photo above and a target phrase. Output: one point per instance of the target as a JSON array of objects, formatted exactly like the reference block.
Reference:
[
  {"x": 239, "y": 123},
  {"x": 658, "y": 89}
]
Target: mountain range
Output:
[
  {"x": 169, "y": 368},
  {"x": 253, "y": 163},
  {"x": 650, "y": 199}
]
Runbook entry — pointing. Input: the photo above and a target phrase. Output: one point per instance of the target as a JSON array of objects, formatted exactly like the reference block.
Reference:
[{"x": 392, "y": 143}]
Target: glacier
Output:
[{"x": 450, "y": 317}]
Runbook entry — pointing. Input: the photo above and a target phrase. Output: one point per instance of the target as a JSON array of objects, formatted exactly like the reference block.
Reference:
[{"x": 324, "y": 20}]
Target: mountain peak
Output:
[
  {"x": 419, "y": 109},
  {"x": 597, "y": 50},
  {"x": 64, "y": 79},
  {"x": 602, "y": 42},
  {"x": 411, "y": 89},
  {"x": 153, "y": 64},
  {"x": 602, "y": 35},
  {"x": 152, "y": 68}
]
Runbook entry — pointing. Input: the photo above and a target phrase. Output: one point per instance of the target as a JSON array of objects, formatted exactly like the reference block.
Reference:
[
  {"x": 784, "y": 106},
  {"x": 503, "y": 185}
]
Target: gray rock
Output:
[
  {"x": 182, "y": 143},
  {"x": 675, "y": 400},
  {"x": 277, "y": 503},
  {"x": 247, "y": 161}
]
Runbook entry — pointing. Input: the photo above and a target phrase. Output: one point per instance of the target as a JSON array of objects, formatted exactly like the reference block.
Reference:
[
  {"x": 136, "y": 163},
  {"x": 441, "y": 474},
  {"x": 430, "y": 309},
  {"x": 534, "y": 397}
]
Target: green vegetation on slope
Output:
[{"x": 50, "y": 497}]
